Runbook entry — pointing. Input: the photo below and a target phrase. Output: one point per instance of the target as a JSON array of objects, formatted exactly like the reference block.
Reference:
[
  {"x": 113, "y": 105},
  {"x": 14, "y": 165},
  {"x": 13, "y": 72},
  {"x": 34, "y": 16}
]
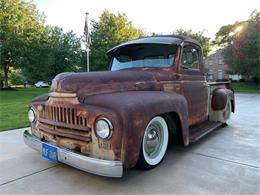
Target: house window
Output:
[
  {"x": 210, "y": 63},
  {"x": 220, "y": 63},
  {"x": 220, "y": 74},
  {"x": 210, "y": 75}
]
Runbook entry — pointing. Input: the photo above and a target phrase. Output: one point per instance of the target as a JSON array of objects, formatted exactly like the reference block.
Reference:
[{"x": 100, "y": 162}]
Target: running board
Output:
[{"x": 199, "y": 131}]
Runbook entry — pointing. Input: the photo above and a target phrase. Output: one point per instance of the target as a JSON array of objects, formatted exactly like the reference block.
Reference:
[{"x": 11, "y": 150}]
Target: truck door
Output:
[{"x": 194, "y": 85}]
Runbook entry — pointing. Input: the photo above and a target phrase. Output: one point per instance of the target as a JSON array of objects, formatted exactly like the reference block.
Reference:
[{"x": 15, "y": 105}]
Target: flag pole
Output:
[
  {"x": 88, "y": 59},
  {"x": 87, "y": 46}
]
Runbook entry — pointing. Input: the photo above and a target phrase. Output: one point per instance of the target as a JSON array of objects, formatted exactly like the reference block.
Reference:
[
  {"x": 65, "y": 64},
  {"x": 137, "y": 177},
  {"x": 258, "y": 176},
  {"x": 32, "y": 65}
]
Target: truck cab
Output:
[{"x": 102, "y": 122}]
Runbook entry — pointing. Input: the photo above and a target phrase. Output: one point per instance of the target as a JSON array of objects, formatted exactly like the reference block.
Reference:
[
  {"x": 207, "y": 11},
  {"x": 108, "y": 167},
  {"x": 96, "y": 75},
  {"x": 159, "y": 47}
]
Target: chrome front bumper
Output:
[{"x": 106, "y": 168}]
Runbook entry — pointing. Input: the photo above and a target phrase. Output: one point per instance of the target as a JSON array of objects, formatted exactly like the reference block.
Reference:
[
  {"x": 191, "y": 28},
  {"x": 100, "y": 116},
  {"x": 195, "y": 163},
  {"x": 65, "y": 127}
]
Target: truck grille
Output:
[
  {"x": 67, "y": 115},
  {"x": 65, "y": 121}
]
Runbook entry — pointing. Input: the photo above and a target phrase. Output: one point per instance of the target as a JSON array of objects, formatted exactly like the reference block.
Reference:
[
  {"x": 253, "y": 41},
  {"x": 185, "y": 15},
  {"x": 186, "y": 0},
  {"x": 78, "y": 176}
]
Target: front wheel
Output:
[{"x": 154, "y": 143}]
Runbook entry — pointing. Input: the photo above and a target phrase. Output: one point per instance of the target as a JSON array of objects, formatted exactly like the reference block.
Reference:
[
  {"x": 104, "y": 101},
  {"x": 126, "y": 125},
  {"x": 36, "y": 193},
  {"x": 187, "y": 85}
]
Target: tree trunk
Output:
[{"x": 6, "y": 69}]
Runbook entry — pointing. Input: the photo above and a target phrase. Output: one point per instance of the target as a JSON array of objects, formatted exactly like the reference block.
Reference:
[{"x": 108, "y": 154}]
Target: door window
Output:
[{"x": 190, "y": 57}]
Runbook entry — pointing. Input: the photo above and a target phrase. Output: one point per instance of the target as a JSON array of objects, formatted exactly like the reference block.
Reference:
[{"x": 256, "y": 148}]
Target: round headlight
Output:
[
  {"x": 32, "y": 115},
  {"x": 104, "y": 128}
]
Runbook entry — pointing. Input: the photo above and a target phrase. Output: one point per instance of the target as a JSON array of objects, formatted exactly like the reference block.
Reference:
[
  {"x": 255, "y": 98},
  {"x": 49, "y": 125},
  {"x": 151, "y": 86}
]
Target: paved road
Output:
[{"x": 225, "y": 162}]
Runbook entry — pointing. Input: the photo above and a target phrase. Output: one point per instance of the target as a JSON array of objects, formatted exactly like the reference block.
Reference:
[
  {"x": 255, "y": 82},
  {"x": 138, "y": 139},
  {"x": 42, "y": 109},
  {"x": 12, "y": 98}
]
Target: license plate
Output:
[{"x": 50, "y": 152}]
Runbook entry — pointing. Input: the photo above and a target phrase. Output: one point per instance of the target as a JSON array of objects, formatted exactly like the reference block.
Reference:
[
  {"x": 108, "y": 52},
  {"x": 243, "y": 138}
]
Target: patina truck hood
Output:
[{"x": 92, "y": 83}]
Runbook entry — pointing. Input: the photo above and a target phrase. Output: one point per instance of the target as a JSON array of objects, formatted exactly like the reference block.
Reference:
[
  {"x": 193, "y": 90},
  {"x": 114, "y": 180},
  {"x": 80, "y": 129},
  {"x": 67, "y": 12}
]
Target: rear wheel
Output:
[{"x": 154, "y": 143}]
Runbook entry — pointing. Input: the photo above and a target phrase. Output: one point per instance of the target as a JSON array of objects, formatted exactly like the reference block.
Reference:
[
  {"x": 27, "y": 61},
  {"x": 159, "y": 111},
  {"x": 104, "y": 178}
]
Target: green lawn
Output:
[
  {"x": 14, "y": 105},
  {"x": 246, "y": 87}
]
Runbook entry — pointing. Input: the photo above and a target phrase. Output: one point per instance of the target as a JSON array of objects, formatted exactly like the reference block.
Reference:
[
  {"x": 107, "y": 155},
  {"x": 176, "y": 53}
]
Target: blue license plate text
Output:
[{"x": 50, "y": 152}]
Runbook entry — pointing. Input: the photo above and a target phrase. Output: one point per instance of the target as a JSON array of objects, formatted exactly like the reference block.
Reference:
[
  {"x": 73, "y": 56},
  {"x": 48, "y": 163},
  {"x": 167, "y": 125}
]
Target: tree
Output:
[
  {"x": 20, "y": 24},
  {"x": 1, "y": 79},
  {"x": 227, "y": 33},
  {"x": 109, "y": 31},
  {"x": 198, "y": 36},
  {"x": 29, "y": 45},
  {"x": 242, "y": 45},
  {"x": 53, "y": 53}
]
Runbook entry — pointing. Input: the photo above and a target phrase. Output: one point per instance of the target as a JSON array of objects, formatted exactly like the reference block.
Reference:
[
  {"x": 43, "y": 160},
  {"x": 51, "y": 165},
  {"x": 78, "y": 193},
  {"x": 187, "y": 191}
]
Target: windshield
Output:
[{"x": 144, "y": 55}]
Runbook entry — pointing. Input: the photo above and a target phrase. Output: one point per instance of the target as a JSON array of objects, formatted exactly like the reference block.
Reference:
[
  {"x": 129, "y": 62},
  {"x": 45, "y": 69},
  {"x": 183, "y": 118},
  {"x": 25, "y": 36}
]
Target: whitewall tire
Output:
[{"x": 154, "y": 143}]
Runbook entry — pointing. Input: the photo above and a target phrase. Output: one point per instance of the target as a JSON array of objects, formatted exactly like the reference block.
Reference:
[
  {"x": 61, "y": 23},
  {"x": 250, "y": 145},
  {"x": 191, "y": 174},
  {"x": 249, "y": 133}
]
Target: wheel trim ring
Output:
[
  {"x": 155, "y": 150},
  {"x": 162, "y": 152}
]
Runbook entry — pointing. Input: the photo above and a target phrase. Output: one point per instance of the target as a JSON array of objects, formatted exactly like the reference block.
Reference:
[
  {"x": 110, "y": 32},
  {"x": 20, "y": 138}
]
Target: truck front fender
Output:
[{"x": 137, "y": 108}]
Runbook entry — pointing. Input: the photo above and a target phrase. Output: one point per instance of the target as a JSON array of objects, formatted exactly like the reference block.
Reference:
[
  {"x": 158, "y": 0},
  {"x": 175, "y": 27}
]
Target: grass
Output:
[
  {"x": 246, "y": 87},
  {"x": 14, "y": 105}
]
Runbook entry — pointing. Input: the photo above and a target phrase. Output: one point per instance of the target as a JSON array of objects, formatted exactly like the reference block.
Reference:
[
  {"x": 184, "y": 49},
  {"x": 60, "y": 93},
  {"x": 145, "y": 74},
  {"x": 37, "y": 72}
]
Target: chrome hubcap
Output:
[{"x": 153, "y": 140}]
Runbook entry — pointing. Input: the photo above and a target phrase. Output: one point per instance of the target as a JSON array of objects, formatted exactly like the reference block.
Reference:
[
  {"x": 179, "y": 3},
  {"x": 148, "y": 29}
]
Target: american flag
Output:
[{"x": 87, "y": 38}]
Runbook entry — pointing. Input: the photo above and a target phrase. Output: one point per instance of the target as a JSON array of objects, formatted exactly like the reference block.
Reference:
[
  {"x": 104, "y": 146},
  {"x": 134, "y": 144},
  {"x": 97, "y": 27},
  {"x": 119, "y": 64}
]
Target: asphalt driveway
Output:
[{"x": 225, "y": 162}]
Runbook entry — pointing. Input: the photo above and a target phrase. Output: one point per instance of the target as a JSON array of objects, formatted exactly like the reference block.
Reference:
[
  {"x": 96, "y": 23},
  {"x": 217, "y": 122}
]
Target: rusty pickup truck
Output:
[{"x": 105, "y": 122}]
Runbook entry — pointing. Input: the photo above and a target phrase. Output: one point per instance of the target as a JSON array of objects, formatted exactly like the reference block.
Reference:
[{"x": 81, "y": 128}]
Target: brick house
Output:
[{"x": 217, "y": 69}]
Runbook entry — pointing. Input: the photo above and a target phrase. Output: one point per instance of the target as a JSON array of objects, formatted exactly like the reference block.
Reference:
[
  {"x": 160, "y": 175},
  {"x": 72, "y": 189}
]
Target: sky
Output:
[{"x": 159, "y": 16}]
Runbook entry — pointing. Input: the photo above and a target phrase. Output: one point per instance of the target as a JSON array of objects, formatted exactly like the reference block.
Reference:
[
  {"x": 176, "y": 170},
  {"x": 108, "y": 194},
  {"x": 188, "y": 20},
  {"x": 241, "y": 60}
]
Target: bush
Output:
[
  {"x": 222, "y": 80},
  {"x": 16, "y": 77},
  {"x": 256, "y": 79}
]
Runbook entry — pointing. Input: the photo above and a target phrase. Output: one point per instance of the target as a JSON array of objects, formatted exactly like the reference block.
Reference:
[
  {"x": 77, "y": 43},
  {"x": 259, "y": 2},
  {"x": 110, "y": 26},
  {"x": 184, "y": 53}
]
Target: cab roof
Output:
[{"x": 158, "y": 39}]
